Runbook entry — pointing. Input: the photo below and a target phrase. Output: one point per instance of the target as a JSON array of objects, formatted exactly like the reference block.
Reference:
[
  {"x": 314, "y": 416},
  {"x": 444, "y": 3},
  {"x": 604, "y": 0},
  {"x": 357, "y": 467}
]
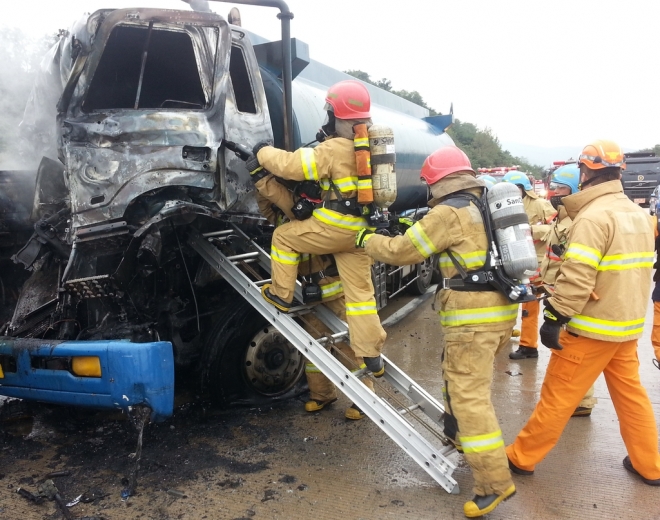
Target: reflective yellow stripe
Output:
[
  {"x": 331, "y": 289},
  {"x": 479, "y": 315},
  {"x": 325, "y": 184},
  {"x": 467, "y": 260},
  {"x": 310, "y": 368},
  {"x": 361, "y": 308},
  {"x": 304, "y": 257},
  {"x": 626, "y": 261},
  {"x": 361, "y": 141},
  {"x": 481, "y": 443},
  {"x": 585, "y": 254},
  {"x": 309, "y": 164},
  {"x": 284, "y": 257},
  {"x": 334, "y": 218},
  {"x": 607, "y": 327},
  {"x": 346, "y": 183},
  {"x": 420, "y": 240},
  {"x": 364, "y": 184}
]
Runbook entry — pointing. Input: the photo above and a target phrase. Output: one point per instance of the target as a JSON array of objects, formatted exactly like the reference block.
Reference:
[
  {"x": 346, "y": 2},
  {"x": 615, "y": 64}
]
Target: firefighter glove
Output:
[
  {"x": 257, "y": 172},
  {"x": 362, "y": 236},
  {"x": 552, "y": 324},
  {"x": 260, "y": 145},
  {"x": 406, "y": 221}
]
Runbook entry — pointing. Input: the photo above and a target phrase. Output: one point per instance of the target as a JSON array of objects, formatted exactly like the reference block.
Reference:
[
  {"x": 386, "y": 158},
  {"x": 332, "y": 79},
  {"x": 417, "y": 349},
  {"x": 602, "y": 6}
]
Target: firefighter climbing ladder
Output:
[{"x": 390, "y": 419}]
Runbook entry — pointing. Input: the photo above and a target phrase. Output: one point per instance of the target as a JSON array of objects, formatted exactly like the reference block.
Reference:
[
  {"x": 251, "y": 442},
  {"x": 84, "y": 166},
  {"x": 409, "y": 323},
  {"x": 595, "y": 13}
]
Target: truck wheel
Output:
[
  {"x": 424, "y": 276},
  {"x": 247, "y": 361}
]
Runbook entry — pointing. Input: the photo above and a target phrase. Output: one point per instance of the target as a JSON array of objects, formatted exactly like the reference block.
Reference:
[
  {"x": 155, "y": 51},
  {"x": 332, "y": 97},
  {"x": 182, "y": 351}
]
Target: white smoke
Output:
[{"x": 20, "y": 58}]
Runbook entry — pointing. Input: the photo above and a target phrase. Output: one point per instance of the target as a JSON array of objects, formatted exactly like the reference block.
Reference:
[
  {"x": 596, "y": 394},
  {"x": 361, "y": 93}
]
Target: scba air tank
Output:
[
  {"x": 513, "y": 234},
  {"x": 383, "y": 158}
]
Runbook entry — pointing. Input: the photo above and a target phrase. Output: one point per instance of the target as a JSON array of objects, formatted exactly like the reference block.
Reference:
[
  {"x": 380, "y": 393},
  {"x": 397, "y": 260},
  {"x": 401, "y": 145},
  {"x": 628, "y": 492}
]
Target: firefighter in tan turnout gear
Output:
[
  {"x": 477, "y": 321},
  {"x": 332, "y": 227},
  {"x": 609, "y": 253},
  {"x": 275, "y": 203},
  {"x": 540, "y": 213}
]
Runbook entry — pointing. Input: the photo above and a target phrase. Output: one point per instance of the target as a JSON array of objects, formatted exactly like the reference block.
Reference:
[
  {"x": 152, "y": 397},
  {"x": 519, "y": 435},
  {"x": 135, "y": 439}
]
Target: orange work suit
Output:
[{"x": 610, "y": 250}]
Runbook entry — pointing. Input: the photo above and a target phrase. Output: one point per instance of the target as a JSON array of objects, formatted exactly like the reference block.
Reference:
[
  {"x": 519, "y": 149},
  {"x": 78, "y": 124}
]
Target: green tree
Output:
[{"x": 655, "y": 149}]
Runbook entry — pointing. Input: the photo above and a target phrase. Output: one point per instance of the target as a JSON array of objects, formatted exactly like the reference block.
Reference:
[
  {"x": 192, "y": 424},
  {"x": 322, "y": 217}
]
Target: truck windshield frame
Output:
[{"x": 154, "y": 67}]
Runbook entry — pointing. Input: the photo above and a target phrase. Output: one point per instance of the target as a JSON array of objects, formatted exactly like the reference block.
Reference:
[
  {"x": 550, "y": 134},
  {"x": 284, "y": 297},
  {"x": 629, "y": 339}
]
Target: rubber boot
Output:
[
  {"x": 481, "y": 505},
  {"x": 628, "y": 465},
  {"x": 519, "y": 471},
  {"x": 354, "y": 413},
  {"x": 524, "y": 352},
  {"x": 274, "y": 300},
  {"x": 314, "y": 406},
  {"x": 582, "y": 411},
  {"x": 376, "y": 365}
]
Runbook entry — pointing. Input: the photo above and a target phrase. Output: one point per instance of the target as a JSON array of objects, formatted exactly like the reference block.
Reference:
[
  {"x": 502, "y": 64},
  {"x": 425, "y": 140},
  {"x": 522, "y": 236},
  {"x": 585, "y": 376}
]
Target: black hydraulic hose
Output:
[{"x": 285, "y": 17}]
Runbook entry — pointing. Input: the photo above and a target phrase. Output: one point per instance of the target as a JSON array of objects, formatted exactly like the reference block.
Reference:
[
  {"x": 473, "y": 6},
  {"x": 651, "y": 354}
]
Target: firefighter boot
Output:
[
  {"x": 524, "y": 352},
  {"x": 354, "y": 413},
  {"x": 274, "y": 300},
  {"x": 314, "y": 405},
  {"x": 582, "y": 411},
  {"x": 481, "y": 505},
  {"x": 515, "y": 333},
  {"x": 376, "y": 365}
]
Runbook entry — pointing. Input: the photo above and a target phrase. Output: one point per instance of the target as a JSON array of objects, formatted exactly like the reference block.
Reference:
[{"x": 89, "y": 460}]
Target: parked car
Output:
[{"x": 654, "y": 199}]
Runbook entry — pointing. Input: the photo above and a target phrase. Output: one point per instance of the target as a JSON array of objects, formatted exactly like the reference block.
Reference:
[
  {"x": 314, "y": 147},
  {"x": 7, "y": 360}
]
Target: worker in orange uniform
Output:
[
  {"x": 332, "y": 227},
  {"x": 476, "y": 319},
  {"x": 540, "y": 212},
  {"x": 564, "y": 181},
  {"x": 610, "y": 250},
  {"x": 655, "y": 297},
  {"x": 275, "y": 202}
]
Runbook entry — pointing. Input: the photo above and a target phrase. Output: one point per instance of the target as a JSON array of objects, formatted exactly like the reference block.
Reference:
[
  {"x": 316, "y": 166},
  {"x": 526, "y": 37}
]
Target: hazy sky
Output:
[{"x": 547, "y": 74}]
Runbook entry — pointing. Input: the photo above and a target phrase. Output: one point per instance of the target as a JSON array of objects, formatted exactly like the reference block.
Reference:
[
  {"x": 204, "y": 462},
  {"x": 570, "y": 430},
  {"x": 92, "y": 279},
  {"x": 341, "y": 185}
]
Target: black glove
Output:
[
  {"x": 552, "y": 324},
  {"x": 257, "y": 172},
  {"x": 260, "y": 145}
]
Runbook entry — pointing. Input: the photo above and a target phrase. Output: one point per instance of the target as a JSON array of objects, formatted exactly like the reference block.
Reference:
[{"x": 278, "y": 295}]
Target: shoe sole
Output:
[
  {"x": 628, "y": 465},
  {"x": 490, "y": 508},
  {"x": 275, "y": 304},
  {"x": 321, "y": 407},
  {"x": 519, "y": 471}
]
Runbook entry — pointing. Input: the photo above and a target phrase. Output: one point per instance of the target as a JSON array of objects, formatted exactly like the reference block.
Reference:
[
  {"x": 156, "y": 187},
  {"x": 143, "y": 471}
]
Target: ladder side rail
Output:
[
  {"x": 431, "y": 407},
  {"x": 377, "y": 409}
]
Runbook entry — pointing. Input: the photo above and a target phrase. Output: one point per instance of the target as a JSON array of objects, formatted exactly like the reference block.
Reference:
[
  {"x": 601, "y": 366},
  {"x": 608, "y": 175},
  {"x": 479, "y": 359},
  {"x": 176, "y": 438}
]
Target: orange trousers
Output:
[
  {"x": 655, "y": 333},
  {"x": 529, "y": 330},
  {"x": 570, "y": 374}
]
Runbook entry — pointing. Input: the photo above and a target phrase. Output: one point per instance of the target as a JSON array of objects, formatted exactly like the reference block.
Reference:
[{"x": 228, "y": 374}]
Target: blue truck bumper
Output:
[{"x": 131, "y": 373}]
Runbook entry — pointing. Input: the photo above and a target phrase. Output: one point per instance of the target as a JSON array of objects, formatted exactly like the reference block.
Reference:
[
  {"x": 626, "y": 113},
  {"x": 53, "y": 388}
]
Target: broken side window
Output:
[
  {"x": 171, "y": 77},
  {"x": 240, "y": 80}
]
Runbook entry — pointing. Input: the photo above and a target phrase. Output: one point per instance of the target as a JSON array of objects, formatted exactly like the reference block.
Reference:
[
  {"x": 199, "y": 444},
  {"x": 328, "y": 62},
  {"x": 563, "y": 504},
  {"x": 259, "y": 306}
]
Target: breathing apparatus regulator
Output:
[{"x": 307, "y": 195}]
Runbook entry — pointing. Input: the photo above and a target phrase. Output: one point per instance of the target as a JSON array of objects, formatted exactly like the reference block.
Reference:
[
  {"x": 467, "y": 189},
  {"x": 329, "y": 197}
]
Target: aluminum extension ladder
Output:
[{"x": 391, "y": 419}]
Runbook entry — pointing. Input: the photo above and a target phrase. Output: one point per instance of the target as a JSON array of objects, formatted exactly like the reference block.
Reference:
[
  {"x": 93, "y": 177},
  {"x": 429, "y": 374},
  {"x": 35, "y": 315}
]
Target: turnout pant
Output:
[
  {"x": 315, "y": 237},
  {"x": 529, "y": 329},
  {"x": 468, "y": 375},
  {"x": 655, "y": 334},
  {"x": 570, "y": 373},
  {"x": 320, "y": 387}
]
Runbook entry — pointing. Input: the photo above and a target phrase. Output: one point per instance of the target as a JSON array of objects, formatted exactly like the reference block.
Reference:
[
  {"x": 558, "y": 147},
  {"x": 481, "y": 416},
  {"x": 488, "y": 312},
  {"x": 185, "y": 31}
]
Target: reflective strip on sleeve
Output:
[
  {"x": 284, "y": 257},
  {"x": 626, "y": 261},
  {"x": 361, "y": 308},
  {"x": 334, "y": 218},
  {"x": 309, "y": 164},
  {"x": 346, "y": 183},
  {"x": 420, "y": 240},
  {"x": 305, "y": 257},
  {"x": 478, "y": 316},
  {"x": 468, "y": 260},
  {"x": 607, "y": 327},
  {"x": 481, "y": 443},
  {"x": 331, "y": 289},
  {"x": 585, "y": 254}
]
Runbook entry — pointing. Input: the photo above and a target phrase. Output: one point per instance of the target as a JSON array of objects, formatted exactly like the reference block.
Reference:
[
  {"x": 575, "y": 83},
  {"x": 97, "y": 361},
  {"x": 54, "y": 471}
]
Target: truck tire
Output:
[
  {"x": 424, "y": 276},
  {"x": 246, "y": 361}
]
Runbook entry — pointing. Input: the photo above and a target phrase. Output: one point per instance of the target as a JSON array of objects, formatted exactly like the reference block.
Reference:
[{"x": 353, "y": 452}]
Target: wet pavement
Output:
[{"x": 280, "y": 462}]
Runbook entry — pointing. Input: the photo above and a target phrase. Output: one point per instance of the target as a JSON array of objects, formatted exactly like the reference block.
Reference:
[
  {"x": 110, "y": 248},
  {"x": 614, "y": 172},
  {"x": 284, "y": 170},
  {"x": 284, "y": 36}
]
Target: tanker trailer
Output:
[{"x": 134, "y": 160}]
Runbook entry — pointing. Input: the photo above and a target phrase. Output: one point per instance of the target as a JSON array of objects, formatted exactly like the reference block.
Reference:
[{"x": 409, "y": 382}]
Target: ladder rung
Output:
[
  {"x": 259, "y": 283},
  {"x": 404, "y": 411},
  {"x": 243, "y": 256},
  {"x": 222, "y": 233},
  {"x": 333, "y": 337}
]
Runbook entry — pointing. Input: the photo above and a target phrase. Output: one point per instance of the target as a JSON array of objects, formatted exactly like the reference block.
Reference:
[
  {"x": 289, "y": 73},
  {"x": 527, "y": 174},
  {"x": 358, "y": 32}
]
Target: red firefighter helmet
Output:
[
  {"x": 349, "y": 100},
  {"x": 443, "y": 162}
]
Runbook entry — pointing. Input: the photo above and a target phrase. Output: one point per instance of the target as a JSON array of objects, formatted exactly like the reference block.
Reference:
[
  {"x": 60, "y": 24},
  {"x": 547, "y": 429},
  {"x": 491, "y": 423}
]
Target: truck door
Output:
[
  {"x": 247, "y": 121},
  {"x": 144, "y": 110}
]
